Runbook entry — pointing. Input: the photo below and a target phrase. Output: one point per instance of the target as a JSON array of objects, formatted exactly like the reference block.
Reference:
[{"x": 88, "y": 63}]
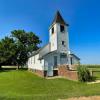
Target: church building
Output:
[{"x": 46, "y": 60}]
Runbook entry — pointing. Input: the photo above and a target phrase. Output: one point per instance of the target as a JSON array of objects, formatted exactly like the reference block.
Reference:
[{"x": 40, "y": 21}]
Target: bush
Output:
[{"x": 84, "y": 74}]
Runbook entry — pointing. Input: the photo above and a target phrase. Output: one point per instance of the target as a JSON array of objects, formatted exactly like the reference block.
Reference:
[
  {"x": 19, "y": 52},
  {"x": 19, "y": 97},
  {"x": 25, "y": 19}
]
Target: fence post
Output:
[{"x": 91, "y": 72}]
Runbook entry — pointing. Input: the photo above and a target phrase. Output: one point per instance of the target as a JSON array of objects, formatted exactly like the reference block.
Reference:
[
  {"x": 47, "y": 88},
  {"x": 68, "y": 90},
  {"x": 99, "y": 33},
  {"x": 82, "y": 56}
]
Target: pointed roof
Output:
[{"x": 58, "y": 19}]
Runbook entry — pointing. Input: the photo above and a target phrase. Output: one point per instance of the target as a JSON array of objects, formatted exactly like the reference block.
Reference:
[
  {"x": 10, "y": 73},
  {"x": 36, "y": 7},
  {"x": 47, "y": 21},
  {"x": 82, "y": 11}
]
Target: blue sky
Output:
[{"x": 37, "y": 15}]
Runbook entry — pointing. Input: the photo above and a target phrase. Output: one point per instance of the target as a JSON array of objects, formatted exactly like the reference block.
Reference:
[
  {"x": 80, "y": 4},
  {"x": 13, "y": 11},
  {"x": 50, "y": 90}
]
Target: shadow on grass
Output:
[
  {"x": 93, "y": 78},
  {"x": 11, "y": 69}
]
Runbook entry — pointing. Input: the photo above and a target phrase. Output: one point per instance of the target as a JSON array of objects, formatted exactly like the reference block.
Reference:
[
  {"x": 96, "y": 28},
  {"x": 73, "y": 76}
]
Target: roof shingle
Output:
[{"x": 58, "y": 19}]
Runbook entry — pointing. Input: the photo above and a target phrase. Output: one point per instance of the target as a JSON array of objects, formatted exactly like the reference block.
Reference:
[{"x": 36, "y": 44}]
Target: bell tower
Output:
[{"x": 58, "y": 34}]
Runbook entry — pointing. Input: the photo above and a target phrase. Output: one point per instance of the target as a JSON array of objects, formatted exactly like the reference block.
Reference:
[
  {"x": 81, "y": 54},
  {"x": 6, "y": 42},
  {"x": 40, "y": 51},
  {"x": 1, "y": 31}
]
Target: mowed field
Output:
[{"x": 24, "y": 85}]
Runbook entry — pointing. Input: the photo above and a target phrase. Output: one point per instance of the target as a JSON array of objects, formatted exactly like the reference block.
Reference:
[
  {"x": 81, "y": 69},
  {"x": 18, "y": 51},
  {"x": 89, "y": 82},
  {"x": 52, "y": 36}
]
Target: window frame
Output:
[{"x": 62, "y": 28}]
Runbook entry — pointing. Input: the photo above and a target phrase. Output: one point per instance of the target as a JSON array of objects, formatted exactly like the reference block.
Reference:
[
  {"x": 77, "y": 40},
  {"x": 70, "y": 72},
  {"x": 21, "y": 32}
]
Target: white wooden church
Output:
[{"x": 46, "y": 60}]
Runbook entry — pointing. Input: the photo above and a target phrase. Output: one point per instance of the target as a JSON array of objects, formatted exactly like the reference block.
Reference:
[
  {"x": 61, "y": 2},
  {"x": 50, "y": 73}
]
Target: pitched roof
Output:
[
  {"x": 47, "y": 54},
  {"x": 75, "y": 56},
  {"x": 38, "y": 51},
  {"x": 58, "y": 19}
]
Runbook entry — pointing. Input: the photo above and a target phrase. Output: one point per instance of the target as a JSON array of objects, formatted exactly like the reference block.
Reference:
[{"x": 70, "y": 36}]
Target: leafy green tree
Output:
[
  {"x": 7, "y": 50},
  {"x": 26, "y": 43},
  {"x": 17, "y": 48}
]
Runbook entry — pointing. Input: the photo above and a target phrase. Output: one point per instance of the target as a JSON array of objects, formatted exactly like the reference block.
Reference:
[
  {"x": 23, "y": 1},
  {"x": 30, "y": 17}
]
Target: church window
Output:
[
  {"x": 62, "y": 28},
  {"x": 34, "y": 59},
  {"x": 53, "y": 30},
  {"x": 31, "y": 60}
]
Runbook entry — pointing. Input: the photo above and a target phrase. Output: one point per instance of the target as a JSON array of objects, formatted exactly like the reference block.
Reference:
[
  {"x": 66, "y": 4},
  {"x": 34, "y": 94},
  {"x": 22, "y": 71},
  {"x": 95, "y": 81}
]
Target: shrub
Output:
[{"x": 84, "y": 74}]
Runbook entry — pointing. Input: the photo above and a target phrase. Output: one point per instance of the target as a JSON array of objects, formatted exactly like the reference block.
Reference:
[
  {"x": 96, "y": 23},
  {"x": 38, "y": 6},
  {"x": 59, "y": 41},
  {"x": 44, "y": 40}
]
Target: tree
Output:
[
  {"x": 7, "y": 50},
  {"x": 26, "y": 43}
]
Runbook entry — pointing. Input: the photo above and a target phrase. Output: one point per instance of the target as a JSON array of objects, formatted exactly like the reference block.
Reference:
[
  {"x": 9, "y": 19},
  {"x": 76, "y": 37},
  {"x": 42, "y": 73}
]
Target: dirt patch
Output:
[
  {"x": 84, "y": 98},
  {"x": 97, "y": 81}
]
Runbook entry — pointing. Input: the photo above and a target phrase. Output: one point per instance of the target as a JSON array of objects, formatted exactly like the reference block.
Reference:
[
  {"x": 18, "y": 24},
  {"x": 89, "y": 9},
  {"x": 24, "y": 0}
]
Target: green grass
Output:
[
  {"x": 95, "y": 69},
  {"x": 96, "y": 72},
  {"x": 24, "y": 85}
]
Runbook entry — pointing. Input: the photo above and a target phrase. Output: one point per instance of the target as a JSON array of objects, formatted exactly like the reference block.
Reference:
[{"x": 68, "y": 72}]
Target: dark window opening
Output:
[
  {"x": 53, "y": 30},
  {"x": 55, "y": 72},
  {"x": 62, "y": 28},
  {"x": 63, "y": 42}
]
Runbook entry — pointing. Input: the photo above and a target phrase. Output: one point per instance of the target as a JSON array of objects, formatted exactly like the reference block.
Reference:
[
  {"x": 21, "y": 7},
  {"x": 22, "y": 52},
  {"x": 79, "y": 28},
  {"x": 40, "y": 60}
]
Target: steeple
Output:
[
  {"x": 58, "y": 19},
  {"x": 58, "y": 33}
]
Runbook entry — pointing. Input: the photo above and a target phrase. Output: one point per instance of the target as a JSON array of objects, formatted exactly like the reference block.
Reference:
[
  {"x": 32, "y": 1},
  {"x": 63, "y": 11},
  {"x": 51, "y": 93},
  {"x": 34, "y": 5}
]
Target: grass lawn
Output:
[
  {"x": 24, "y": 85},
  {"x": 96, "y": 72}
]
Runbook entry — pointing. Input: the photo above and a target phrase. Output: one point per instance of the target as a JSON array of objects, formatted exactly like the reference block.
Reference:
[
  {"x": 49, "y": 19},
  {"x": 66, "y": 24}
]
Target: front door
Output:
[
  {"x": 71, "y": 59},
  {"x": 50, "y": 71},
  {"x": 55, "y": 61}
]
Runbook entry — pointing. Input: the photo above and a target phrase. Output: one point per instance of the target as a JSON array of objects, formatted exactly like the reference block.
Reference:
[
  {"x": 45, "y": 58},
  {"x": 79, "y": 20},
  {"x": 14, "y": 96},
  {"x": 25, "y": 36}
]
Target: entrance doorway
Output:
[
  {"x": 50, "y": 71},
  {"x": 71, "y": 59},
  {"x": 55, "y": 61}
]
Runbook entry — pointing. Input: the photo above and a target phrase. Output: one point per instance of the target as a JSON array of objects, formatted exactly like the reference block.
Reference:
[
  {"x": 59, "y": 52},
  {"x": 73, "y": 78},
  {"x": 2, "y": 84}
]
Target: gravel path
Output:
[{"x": 84, "y": 98}]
